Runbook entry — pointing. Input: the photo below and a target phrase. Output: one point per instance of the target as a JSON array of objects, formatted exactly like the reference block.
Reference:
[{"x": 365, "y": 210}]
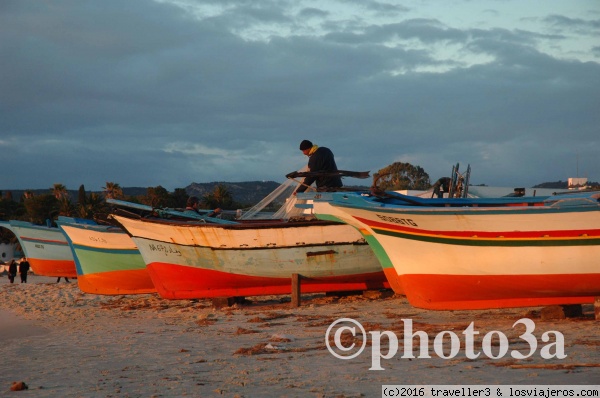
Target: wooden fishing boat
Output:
[
  {"x": 452, "y": 254},
  {"x": 194, "y": 259},
  {"x": 319, "y": 204},
  {"x": 107, "y": 260},
  {"x": 46, "y": 249}
]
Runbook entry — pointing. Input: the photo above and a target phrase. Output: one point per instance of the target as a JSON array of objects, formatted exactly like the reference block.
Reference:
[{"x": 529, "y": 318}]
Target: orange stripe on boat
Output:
[
  {"x": 56, "y": 268},
  {"x": 456, "y": 292},
  {"x": 117, "y": 282}
]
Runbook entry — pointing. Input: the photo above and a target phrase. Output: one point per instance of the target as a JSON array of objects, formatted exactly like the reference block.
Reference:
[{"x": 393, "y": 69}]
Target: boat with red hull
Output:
[
  {"x": 190, "y": 259},
  {"x": 452, "y": 254}
]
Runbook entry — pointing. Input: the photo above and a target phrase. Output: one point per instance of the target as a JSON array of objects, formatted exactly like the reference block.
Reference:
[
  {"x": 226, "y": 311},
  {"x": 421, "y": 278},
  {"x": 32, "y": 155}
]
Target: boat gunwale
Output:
[
  {"x": 243, "y": 225},
  {"x": 574, "y": 202},
  {"x": 372, "y": 205}
]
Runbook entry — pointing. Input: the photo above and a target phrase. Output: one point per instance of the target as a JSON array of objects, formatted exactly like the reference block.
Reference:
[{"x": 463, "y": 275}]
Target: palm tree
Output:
[
  {"x": 92, "y": 207},
  {"x": 59, "y": 191},
  {"x": 156, "y": 197},
  {"x": 222, "y": 195},
  {"x": 96, "y": 205},
  {"x": 112, "y": 190},
  {"x": 219, "y": 197},
  {"x": 65, "y": 207},
  {"x": 41, "y": 207}
]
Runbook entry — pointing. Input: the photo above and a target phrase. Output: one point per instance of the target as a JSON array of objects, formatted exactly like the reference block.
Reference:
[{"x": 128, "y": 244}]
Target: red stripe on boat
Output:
[{"x": 181, "y": 282}]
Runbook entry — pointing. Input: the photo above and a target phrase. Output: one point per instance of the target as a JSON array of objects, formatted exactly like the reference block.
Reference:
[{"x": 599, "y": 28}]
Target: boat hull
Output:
[
  {"x": 185, "y": 282},
  {"x": 463, "y": 292},
  {"x": 201, "y": 261},
  {"x": 107, "y": 260},
  {"x": 129, "y": 282},
  {"x": 46, "y": 249},
  {"x": 325, "y": 211},
  {"x": 451, "y": 259}
]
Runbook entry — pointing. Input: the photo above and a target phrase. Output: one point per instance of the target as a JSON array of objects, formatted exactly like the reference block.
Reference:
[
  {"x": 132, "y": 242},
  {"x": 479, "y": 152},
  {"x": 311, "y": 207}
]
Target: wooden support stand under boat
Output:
[
  {"x": 221, "y": 302},
  {"x": 561, "y": 312},
  {"x": 296, "y": 290},
  {"x": 296, "y": 295}
]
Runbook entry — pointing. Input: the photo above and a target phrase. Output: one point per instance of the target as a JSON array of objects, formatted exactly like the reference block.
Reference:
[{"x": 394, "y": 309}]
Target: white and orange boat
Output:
[
  {"x": 46, "y": 248},
  {"x": 319, "y": 204},
  {"x": 107, "y": 261},
  {"x": 452, "y": 254}
]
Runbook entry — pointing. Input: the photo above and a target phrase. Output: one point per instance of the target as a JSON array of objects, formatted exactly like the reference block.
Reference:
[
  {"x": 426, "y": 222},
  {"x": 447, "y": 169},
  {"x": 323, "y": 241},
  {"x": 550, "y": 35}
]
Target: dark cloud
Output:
[
  {"x": 577, "y": 24},
  {"x": 311, "y": 12},
  {"x": 145, "y": 94}
]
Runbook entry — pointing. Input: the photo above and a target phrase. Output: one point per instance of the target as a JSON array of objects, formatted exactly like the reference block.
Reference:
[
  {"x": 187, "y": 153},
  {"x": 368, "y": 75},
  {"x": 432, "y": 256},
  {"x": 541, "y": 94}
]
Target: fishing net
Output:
[{"x": 282, "y": 194}]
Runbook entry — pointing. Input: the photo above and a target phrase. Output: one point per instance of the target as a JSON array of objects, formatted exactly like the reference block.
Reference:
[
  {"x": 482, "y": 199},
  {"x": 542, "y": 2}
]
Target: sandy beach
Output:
[{"x": 62, "y": 342}]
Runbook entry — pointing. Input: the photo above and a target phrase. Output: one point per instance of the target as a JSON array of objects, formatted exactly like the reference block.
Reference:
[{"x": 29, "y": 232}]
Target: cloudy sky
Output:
[{"x": 170, "y": 92}]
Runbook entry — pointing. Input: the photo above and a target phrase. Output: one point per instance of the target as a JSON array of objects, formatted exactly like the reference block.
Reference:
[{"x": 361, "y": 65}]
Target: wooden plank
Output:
[{"x": 296, "y": 290}]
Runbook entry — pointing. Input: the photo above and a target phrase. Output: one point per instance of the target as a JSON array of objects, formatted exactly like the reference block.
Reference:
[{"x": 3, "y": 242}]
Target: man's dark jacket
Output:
[{"x": 321, "y": 160}]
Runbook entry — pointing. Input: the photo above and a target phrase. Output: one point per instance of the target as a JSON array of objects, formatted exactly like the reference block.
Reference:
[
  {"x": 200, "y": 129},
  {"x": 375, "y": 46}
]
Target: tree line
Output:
[{"x": 58, "y": 202}]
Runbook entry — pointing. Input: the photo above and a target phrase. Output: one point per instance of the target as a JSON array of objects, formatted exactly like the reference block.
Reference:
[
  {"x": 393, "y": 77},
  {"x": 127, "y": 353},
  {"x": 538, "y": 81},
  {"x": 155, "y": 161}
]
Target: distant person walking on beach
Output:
[
  {"x": 12, "y": 271},
  {"x": 319, "y": 159},
  {"x": 66, "y": 279},
  {"x": 24, "y": 269}
]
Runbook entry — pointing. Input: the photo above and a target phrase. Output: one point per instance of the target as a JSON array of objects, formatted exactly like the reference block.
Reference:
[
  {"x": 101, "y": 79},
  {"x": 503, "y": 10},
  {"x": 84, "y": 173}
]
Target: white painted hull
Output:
[
  {"x": 46, "y": 249},
  {"x": 463, "y": 258},
  {"x": 189, "y": 260}
]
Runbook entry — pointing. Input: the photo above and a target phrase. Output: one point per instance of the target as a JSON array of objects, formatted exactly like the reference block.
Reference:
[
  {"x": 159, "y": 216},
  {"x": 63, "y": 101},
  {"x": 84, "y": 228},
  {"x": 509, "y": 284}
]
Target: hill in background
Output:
[{"x": 249, "y": 193}]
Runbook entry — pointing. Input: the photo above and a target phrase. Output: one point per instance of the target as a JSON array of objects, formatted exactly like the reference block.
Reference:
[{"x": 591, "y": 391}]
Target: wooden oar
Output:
[{"x": 338, "y": 173}]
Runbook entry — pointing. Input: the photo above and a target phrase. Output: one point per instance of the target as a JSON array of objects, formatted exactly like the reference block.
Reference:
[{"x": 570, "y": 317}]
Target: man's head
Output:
[
  {"x": 305, "y": 146},
  {"x": 192, "y": 202}
]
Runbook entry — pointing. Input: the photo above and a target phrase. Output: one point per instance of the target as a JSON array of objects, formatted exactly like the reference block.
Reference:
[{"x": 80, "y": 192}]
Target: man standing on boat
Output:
[
  {"x": 442, "y": 185},
  {"x": 320, "y": 159}
]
